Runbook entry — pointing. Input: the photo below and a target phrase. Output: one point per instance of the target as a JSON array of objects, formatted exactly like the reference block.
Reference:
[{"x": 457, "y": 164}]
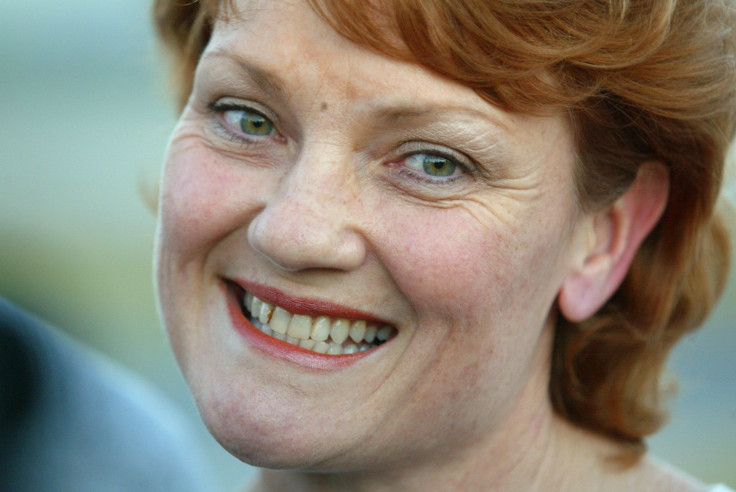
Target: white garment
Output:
[{"x": 720, "y": 488}]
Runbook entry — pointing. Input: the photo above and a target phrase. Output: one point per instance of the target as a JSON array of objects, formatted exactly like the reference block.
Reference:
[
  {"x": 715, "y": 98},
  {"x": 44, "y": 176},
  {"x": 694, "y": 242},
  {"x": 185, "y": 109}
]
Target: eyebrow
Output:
[
  {"x": 264, "y": 80},
  {"x": 395, "y": 114}
]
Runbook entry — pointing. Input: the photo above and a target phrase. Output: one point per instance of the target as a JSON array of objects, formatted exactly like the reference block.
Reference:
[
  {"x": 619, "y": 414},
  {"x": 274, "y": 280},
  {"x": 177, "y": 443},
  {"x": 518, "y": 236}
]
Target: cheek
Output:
[
  {"x": 189, "y": 206},
  {"x": 482, "y": 294},
  {"x": 202, "y": 200},
  {"x": 465, "y": 273},
  {"x": 445, "y": 261}
]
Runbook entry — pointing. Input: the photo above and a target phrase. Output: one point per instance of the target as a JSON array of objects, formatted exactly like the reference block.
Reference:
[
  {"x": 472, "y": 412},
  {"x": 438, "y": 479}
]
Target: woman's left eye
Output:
[
  {"x": 433, "y": 165},
  {"x": 249, "y": 122}
]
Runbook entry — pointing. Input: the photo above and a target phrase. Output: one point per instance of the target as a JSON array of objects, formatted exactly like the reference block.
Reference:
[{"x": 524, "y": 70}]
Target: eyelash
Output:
[
  {"x": 466, "y": 168},
  {"x": 220, "y": 108}
]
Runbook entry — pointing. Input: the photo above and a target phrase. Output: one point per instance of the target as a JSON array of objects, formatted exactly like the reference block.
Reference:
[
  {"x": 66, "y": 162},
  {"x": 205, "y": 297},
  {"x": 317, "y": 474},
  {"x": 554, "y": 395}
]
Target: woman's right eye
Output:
[
  {"x": 242, "y": 122},
  {"x": 248, "y": 122}
]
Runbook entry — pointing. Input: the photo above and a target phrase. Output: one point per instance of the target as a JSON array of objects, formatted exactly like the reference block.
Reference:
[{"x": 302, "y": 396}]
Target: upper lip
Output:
[{"x": 304, "y": 305}]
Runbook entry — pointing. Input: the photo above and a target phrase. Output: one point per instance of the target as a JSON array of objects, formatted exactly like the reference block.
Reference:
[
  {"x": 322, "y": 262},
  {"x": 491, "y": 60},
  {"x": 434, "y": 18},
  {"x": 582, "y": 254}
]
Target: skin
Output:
[{"x": 328, "y": 207}]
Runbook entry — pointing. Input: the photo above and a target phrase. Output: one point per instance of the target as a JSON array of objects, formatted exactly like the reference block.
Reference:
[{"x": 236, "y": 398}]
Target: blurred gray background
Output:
[{"x": 84, "y": 117}]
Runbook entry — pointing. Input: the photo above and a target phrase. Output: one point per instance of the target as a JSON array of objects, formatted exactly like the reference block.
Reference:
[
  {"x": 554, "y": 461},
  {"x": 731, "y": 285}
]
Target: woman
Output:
[{"x": 441, "y": 245}]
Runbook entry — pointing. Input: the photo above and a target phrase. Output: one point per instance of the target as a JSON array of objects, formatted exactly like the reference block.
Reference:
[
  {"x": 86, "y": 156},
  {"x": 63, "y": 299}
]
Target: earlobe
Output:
[{"x": 617, "y": 232}]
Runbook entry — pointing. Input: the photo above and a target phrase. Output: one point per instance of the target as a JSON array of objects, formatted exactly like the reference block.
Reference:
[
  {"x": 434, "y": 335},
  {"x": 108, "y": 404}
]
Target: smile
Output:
[{"x": 318, "y": 333}]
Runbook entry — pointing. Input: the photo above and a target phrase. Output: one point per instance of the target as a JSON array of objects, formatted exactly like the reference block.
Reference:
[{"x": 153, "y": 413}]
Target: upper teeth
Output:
[{"x": 322, "y": 334}]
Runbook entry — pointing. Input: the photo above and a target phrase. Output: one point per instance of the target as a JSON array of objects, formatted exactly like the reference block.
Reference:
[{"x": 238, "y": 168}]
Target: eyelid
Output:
[
  {"x": 229, "y": 103},
  {"x": 224, "y": 104},
  {"x": 417, "y": 147}
]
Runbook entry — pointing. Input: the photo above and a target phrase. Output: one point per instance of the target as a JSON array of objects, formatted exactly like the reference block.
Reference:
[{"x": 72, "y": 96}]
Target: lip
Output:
[
  {"x": 297, "y": 305},
  {"x": 303, "y": 305}
]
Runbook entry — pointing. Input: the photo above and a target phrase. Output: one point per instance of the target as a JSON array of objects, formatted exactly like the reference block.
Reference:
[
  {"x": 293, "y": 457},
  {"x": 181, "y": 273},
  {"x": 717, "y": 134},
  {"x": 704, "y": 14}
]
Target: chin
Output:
[{"x": 261, "y": 438}]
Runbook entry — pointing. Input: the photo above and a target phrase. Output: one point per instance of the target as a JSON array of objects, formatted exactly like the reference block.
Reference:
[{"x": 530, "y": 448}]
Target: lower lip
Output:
[{"x": 284, "y": 350}]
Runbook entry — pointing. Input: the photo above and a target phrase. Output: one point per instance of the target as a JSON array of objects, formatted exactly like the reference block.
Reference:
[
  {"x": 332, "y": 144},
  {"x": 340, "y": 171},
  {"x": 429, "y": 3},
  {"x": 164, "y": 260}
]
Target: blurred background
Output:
[{"x": 85, "y": 114}]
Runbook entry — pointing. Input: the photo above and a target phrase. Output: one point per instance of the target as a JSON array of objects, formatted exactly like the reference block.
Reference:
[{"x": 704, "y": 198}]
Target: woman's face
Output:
[{"x": 365, "y": 195}]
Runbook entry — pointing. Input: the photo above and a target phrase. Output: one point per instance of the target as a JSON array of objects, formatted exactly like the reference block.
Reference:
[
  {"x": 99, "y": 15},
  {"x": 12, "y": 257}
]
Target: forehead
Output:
[
  {"x": 281, "y": 44},
  {"x": 293, "y": 36}
]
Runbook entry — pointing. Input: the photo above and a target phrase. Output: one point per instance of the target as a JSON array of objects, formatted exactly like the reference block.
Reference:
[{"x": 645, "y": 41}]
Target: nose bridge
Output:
[
  {"x": 309, "y": 221},
  {"x": 323, "y": 182}
]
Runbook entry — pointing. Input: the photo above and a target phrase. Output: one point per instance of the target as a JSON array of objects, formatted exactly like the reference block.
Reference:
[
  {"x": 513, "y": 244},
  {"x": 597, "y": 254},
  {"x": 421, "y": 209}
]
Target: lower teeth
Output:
[{"x": 330, "y": 348}]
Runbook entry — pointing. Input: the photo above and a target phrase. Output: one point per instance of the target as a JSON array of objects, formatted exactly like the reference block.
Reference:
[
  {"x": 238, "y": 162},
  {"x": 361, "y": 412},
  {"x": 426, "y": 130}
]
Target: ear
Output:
[{"x": 615, "y": 235}]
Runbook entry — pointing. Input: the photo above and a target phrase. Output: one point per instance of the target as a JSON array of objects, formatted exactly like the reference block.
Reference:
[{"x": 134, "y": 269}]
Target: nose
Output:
[{"x": 309, "y": 222}]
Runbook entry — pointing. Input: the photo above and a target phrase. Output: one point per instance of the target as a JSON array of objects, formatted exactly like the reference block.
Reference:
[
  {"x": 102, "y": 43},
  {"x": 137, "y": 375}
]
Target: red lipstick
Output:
[
  {"x": 302, "y": 305},
  {"x": 281, "y": 349}
]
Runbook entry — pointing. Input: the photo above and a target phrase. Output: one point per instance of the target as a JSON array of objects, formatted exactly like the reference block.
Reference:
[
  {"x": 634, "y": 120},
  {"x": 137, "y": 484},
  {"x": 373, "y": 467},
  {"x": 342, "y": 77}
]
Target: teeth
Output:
[
  {"x": 321, "y": 329},
  {"x": 384, "y": 333},
  {"x": 280, "y": 321},
  {"x": 307, "y": 344},
  {"x": 278, "y": 335},
  {"x": 265, "y": 314},
  {"x": 357, "y": 331},
  {"x": 370, "y": 334},
  {"x": 255, "y": 307},
  {"x": 300, "y": 326},
  {"x": 340, "y": 330},
  {"x": 323, "y": 334},
  {"x": 321, "y": 347}
]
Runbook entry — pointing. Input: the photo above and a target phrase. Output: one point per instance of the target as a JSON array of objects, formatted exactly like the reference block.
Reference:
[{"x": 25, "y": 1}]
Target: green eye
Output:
[
  {"x": 249, "y": 122},
  {"x": 433, "y": 165}
]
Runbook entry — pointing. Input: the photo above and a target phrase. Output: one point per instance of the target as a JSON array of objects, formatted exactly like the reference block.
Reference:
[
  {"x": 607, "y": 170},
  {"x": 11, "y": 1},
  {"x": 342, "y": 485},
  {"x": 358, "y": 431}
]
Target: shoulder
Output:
[
  {"x": 609, "y": 465},
  {"x": 665, "y": 478}
]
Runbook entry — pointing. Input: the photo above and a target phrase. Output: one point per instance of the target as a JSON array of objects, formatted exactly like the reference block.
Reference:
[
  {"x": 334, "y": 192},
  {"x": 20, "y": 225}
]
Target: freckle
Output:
[{"x": 323, "y": 106}]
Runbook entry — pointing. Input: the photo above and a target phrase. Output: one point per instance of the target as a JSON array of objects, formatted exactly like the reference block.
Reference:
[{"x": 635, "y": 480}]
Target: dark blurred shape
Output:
[{"x": 71, "y": 420}]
